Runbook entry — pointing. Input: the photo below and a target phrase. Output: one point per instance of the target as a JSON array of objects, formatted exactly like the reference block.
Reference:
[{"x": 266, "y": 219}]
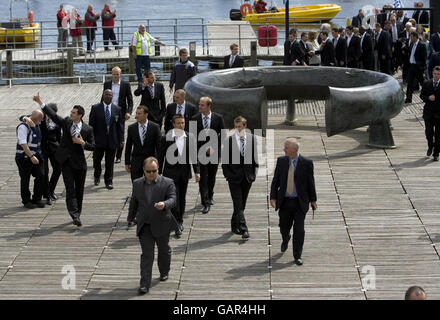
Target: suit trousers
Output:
[
  {"x": 405, "y": 70},
  {"x": 121, "y": 148},
  {"x": 384, "y": 65},
  {"x": 109, "y": 34},
  {"x": 415, "y": 77},
  {"x": 353, "y": 64},
  {"x": 74, "y": 180},
  {"x": 137, "y": 171},
  {"x": 208, "y": 173},
  {"x": 142, "y": 62},
  {"x": 26, "y": 169},
  {"x": 432, "y": 132},
  {"x": 368, "y": 65},
  {"x": 98, "y": 154},
  {"x": 50, "y": 185},
  {"x": 90, "y": 33},
  {"x": 178, "y": 211},
  {"x": 239, "y": 195},
  {"x": 291, "y": 213},
  {"x": 147, "y": 241}
]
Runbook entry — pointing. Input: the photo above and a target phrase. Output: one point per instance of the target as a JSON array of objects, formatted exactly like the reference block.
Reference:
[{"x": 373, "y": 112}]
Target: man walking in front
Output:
[
  {"x": 291, "y": 192},
  {"x": 153, "y": 197}
]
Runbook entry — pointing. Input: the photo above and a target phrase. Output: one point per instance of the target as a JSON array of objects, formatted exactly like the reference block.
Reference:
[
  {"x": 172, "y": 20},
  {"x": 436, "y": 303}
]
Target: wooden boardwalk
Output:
[{"x": 377, "y": 209}]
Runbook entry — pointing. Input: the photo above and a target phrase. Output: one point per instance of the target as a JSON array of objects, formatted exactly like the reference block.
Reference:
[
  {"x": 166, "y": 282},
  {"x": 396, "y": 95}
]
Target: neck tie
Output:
[
  {"x": 74, "y": 131},
  {"x": 231, "y": 61},
  {"x": 107, "y": 115},
  {"x": 144, "y": 133},
  {"x": 150, "y": 88},
  {"x": 242, "y": 146},
  {"x": 205, "y": 122},
  {"x": 179, "y": 110},
  {"x": 290, "y": 179},
  {"x": 436, "y": 85}
]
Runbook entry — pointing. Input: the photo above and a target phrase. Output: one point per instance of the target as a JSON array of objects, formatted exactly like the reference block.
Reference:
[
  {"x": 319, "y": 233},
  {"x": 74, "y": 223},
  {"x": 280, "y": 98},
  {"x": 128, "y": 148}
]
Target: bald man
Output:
[
  {"x": 30, "y": 161},
  {"x": 292, "y": 192}
]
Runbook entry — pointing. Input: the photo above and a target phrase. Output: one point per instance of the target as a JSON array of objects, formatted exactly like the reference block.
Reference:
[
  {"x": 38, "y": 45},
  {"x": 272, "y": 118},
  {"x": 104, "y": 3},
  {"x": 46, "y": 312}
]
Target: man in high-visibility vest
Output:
[{"x": 142, "y": 47}]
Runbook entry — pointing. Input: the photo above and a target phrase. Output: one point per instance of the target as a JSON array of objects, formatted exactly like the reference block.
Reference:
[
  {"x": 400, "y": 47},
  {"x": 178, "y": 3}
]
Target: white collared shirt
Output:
[
  {"x": 349, "y": 39},
  {"x": 115, "y": 89},
  {"x": 238, "y": 138},
  {"x": 180, "y": 141},
  {"x": 140, "y": 130},
  {"x": 412, "y": 58}
]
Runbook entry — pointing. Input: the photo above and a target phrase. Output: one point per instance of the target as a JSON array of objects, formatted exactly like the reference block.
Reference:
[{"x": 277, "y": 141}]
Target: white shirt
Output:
[
  {"x": 50, "y": 124},
  {"x": 335, "y": 41},
  {"x": 362, "y": 38},
  {"x": 231, "y": 60},
  {"x": 238, "y": 138},
  {"x": 349, "y": 39},
  {"x": 140, "y": 130},
  {"x": 209, "y": 120},
  {"x": 144, "y": 43},
  {"x": 22, "y": 134},
  {"x": 412, "y": 59},
  {"x": 78, "y": 125},
  {"x": 182, "y": 112},
  {"x": 115, "y": 89},
  {"x": 180, "y": 141}
]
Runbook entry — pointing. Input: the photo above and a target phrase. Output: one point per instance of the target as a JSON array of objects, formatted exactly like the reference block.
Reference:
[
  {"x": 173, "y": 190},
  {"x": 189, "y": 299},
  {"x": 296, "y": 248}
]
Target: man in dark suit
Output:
[
  {"x": 367, "y": 55},
  {"x": 239, "y": 166},
  {"x": 77, "y": 137},
  {"x": 421, "y": 16},
  {"x": 179, "y": 106},
  {"x": 292, "y": 191},
  {"x": 356, "y": 21},
  {"x": 122, "y": 97},
  {"x": 327, "y": 51},
  {"x": 405, "y": 39},
  {"x": 178, "y": 151},
  {"x": 417, "y": 65},
  {"x": 340, "y": 45},
  {"x": 153, "y": 96},
  {"x": 287, "y": 60},
  {"x": 298, "y": 55},
  {"x": 143, "y": 139},
  {"x": 434, "y": 61},
  {"x": 430, "y": 94},
  {"x": 353, "y": 48},
  {"x": 233, "y": 60},
  {"x": 384, "y": 51},
  {"x": 108, "y": 128},
  {"x": 303, "y": 46},
  {"x": 209, "y": 127},
  {"x": 153, "y": 198},
  {"x": 435, "y": 42}
]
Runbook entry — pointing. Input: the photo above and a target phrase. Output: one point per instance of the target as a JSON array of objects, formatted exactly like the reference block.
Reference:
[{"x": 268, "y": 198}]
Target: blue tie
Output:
[{"x": 107, "y": 115}]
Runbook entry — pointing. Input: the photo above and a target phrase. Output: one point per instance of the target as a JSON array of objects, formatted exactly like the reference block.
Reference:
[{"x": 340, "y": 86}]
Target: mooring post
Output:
[
  {"x": 70, "y": 49},
  {"x": 254, "y": 53},
  {"x": 9, "y": 64},
  {"x": 291, "y": 112},
  {"x": 131, "y": 64}
]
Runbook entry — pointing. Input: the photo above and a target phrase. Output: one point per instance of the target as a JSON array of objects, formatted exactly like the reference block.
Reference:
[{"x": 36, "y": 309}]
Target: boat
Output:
[
  {"x": 19, "y": 32},
  {"x": 311, "y": 13}
]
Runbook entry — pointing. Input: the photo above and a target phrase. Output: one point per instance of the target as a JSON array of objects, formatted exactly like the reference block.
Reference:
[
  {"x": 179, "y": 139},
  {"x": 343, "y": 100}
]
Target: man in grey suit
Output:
[{"x": 153, "y": 197}]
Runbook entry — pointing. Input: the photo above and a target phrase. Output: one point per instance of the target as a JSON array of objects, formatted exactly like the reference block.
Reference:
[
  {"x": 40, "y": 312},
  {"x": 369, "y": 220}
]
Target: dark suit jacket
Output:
[
  {"x": 419, "y": 55},
  {"x": 287, "y": 54},
  {"x": 356, "y": 21},
  {"x": 217, "y": 124},
  {"x": 238, "y": 62},
  {"x": 182, "y": 168},
  {"x": 157, "y": 105},
  {"x": 115, "y": 135},
  {"x": 125, "y": 100},
  {"x": 239, "y": 168},
  {"x": 383, "y": 46},
  {"x": 190, "y": 112},
  {"x": 135, "y": 152},
  {"x": 304, "y": 182},
  {"x": 69, "y": 151},
  {"x": 354, "y": 49},
  {"x": 297, "y": 54},
  {"x": 421, "y": 16},
  {"x": 327, "y": 54},
  {"x": 434, "y": 61},
  {"x": 305, "y": 50},
  {"x": 367, "y": 48},
  {"x": 341, "y": 52},
  {"x": 431, "y": 108},
  {"x": 435, "y": 43},
  {"x": 161, "y": 221}
]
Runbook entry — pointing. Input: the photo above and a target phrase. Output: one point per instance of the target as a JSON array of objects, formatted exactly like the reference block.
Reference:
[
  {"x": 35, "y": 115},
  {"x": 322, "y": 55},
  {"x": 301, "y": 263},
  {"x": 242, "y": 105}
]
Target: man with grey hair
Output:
[
  {"x": 292, "y": 192},
  {"x": 325, "y": 27}
]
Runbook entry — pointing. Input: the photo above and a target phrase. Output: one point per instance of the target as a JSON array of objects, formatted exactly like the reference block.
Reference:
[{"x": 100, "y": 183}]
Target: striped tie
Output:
[
  {"x": 242, "y": 146},
  {"x": 144, "y": 134},
  {"x": 74, "y": 130},
  {"x": 107, "y": 116},
  {"x": 179, "y": 110},
  {"x": 291, "y": 179},
  {"x": 151, "y": 92},
  {"x": 205, "y": 122}
]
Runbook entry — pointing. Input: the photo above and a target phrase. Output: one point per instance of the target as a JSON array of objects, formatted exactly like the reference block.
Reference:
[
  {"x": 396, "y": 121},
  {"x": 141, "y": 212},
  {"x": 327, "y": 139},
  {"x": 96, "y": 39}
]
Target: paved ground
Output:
[{"x": 377, "y": 216}]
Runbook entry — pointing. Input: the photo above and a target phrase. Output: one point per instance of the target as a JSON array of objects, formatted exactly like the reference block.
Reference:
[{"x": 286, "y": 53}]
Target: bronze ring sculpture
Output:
[{"x": 354, "y": 97}]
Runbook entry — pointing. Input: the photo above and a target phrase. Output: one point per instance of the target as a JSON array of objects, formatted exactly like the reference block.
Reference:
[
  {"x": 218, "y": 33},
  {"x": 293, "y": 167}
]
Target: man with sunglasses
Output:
[{"x": 153, "y": 197}]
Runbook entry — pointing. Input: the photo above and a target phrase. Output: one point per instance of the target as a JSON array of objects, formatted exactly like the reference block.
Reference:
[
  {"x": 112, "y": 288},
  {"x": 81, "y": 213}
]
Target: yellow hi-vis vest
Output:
[{"x": 139, "y": 43}]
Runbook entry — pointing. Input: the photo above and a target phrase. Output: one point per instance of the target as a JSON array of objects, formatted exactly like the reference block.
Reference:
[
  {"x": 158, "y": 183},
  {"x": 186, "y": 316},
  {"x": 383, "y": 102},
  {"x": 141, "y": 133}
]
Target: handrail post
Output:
[
  {"x": 239, "y": 37},
  {"x": 203, "y": 35},
  {"x": 70, "y": 52},
  {"x": 9, "y": 64},
  {"x": 253, "y": 53}
]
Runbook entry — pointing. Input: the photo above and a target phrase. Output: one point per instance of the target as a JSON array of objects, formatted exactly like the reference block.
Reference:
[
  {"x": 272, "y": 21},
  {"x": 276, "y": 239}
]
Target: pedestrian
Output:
[
  {"x": 30, "y": 160},
  {"x": 384, "y": 51},
  {"x": 415, "y": 293},
  {"x": 233, "y": 60},
  {"x": 141, "y": 46},
  {"x": 340, "y": 45},
  {"x": 182, "y": 71},
  {"x": 62, "y": 30},
  {"x": 179, "y": 107},
  {"x": 90, "y": 19},
  {"x": 77, "y": 137},
  {"x": 76, "y": 24},
  {"x": 108, "y": 24},
  {"x": 153, "y": 198},
  {"x": 353, "y": 48},
  {"x": 326, "y": 51},
  {"x": 292, "y": 192},
  {"x": 288, "y": 45},
  {"x": 313, "y": 45},
  {"x": 417, "y": 65}
]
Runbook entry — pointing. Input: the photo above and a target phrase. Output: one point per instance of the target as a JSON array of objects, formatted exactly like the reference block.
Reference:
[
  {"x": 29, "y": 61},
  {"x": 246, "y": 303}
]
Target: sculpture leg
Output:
[
  {"x": 291, "y": 112},
  {"x": 380, "y": 135}
]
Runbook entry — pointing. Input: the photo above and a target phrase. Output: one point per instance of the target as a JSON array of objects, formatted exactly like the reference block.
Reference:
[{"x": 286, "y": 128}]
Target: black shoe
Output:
[
  {"x": 206, "y": 209},
  {"x": 53, "y": 197},
  {"x": 235, "y": 230},
  {"x": 77, "y": 222},
  {"x": 38, "y": 204},
  {"x": 177, "y": 233},
  {"x": 211, "y": 202},
  {"x": 181, "y": 227},
  {"x": 143, "y": 290},
  {"x": 96, "y": 181},
  {"x": 408, "y": 101},
  {"x": 164, "y": 277},
  {"x": 49, "y": 201},
  {"x": 299, "y": 262},
  {"x": 109, "y": 186},
  {"x": 245, "y": 235},
  {"x": 435, "y": 158},
  {"x": 29, "y": 205},
  {"x": 285, "y": 245},
  {"x": 429, "y": 152},
  {"x": 118, "y": 160}
]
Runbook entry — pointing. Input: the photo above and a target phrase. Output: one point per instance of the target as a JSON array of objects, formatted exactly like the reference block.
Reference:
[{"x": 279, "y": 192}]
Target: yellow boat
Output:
[{"x": 311, "y": 13}]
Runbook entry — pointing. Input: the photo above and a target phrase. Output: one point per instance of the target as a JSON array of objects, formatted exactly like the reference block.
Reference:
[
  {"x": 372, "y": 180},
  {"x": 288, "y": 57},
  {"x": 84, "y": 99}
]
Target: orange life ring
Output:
[
  {"x": 245, "y": 8},
  {"x": 31, "y": 18}
]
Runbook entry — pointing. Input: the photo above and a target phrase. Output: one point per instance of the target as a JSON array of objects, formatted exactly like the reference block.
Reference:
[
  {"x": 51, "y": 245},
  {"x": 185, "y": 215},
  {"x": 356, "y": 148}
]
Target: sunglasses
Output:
[{"x": 150, "y": 171}]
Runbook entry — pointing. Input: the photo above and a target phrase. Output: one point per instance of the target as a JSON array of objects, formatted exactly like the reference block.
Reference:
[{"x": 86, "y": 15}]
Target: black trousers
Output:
[
  {"x": 51, "y": 184},
  {"x": 147, "y": 241},
  {"x": 239, "y": 195},
  {"x": 207, "y": 182},
  {"x": 137, "y": 170},
  {"x": 26, "y": 169},
  {"x": 368, "y": 65},
  {"x": 178, "y": 211},
  {"x": 384, "y": 65},
  {"x": 98, "y": 154},
  {"x": 74, "y": 180},
  {"x": 405, "y": 70},
  {"x": 432, "y": 133},
  {"x": 290, "y": 213},
  {"x": 90, "y": 33},
  {"x": 109, "y": 34},
  {"x": 415, "y": 77},
  {"x": 121, "y": 148},
  {"x": 353, "y": 64}
]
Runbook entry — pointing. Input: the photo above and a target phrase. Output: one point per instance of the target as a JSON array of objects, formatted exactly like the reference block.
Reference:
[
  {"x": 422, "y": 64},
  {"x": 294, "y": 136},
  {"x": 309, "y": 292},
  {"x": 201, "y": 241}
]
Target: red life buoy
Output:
[
  {"x": 245, "y": 8},
  {"x": 31, "y": 18}
]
